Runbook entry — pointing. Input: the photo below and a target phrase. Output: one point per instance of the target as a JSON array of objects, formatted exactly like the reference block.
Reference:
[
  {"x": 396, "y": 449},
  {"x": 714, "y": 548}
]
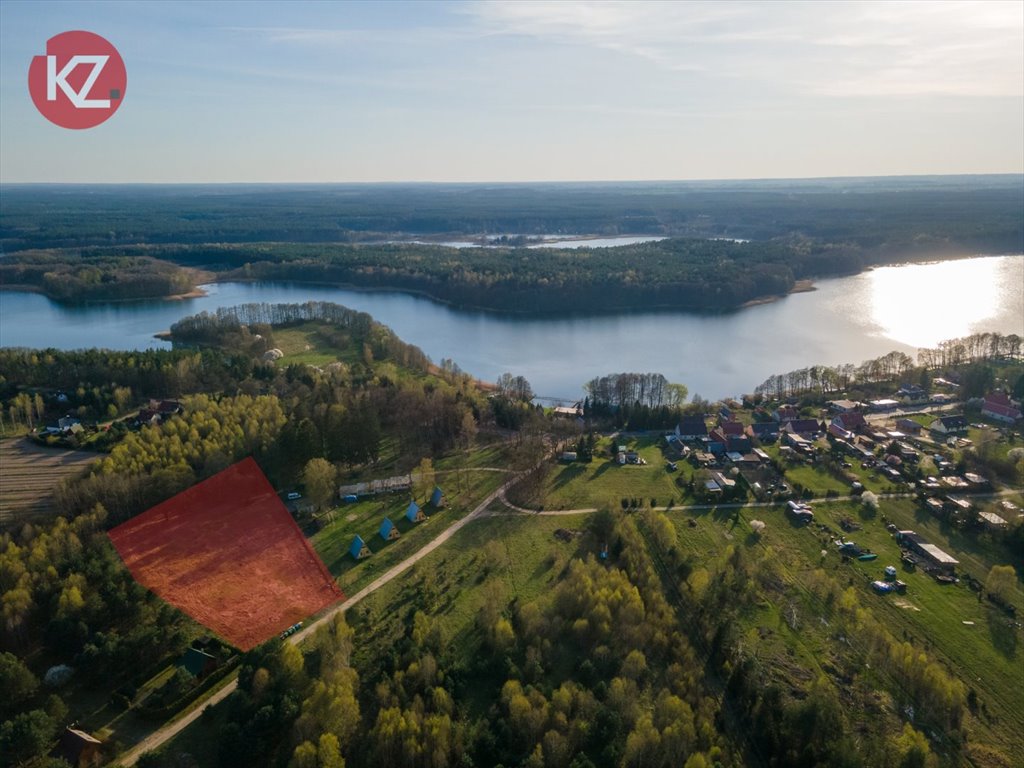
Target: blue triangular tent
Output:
[
  {"x": 388, "y": 530},
  {"x": 358, "y": 549},
  {"x": 414, "y": 514},
  {"x": 436, "y": 497}
]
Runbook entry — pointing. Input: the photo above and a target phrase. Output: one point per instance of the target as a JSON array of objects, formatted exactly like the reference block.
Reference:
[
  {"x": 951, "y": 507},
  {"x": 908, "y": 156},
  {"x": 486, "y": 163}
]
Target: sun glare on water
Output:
[{"x": 923, "y": 304}]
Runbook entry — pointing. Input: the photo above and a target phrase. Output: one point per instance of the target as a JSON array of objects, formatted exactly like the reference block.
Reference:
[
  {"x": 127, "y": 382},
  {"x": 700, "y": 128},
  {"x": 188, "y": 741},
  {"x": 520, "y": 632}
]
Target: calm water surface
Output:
[{"x": 847, "y": 319}]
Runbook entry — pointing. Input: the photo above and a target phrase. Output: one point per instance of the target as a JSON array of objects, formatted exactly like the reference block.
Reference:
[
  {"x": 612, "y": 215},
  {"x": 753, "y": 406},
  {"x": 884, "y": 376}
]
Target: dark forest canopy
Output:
[
  {"x": 971, "y": 211},
  {"x": 75, "y": 276},
  {"x": 107, "y": 243},
  {"x": 678, "y": 273}
]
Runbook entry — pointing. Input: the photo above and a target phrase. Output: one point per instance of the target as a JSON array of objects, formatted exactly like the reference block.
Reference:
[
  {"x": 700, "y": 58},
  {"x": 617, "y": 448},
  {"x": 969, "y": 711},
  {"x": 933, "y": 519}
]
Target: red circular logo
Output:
[{"x": 80, "y": 82}]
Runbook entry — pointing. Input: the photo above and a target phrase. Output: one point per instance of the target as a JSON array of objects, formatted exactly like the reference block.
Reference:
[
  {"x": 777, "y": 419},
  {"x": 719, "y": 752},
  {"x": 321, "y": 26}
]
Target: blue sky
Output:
[{"x": 521, "y": 91}]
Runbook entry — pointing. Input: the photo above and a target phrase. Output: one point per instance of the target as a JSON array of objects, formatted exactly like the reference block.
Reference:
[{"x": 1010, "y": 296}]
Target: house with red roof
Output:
[
  {"x": 1000, "y": 407},
  {"x": 850, "y": 422}
]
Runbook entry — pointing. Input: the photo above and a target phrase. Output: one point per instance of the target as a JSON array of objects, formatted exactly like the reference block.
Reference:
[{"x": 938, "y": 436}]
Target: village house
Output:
[
  {"x": 843, "y": 406},
  {"x": 763, "y": 431},
  {"x": 839, "y": 433},
  {"x": 691, "y": 428},
  {"x": 79, "y": 749},
  {"x": 949, "y": 425},
  {"x": 568, "y": 412},
  {"x": 884, "y": 404},
  {"x": 911, "y": 393},
  {"x": 198, "y": 663},
  {"x": 851, "y": 422},
  {"x": 1000, "y": 407},
  {"x": 807, "y": 428},
  {"x": 786, "y": 413}
]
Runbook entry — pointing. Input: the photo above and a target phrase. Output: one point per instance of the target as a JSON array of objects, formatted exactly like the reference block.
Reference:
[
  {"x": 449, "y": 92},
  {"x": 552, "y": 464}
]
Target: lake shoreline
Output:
[{"x": 721, "y": 354}]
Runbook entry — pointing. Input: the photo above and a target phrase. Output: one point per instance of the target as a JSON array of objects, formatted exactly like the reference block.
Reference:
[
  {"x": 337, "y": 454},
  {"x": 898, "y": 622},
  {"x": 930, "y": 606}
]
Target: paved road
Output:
[{"x": 169, "y": 731}]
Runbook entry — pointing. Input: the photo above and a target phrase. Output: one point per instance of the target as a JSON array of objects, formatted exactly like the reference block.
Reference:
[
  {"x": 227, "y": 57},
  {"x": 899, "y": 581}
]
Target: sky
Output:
[{"x": 527, "y": 91}]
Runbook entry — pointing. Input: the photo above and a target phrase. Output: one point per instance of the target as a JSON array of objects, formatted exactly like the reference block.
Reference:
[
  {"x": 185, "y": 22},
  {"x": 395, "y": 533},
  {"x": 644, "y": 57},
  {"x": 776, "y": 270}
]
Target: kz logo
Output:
[{"x": 80, "y": 82}]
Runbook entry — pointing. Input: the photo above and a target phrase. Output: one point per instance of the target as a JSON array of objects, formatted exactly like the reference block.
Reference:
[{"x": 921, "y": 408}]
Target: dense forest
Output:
[
  {"x": 680, "y": 273},
  {"x": 973, "y": 211},
  {"x": 119, "y": 242},
  {"x": 78, "y": 276}
]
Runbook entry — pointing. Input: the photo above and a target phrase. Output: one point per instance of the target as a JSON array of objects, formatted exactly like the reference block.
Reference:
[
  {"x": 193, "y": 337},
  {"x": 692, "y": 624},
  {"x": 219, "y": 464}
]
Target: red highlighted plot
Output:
[{"x": 228, "y": 553}]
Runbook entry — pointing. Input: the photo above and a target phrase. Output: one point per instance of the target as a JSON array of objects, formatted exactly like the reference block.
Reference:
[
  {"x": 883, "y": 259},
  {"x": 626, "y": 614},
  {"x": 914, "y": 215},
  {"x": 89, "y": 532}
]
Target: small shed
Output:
[
  {"x": 359, "y": 550},
  {"x": 198, "y": 662},
  {"x": 414, "y": 514},
  {"x": 437, "y": 498},
  {"x": 388, "y": 530}
]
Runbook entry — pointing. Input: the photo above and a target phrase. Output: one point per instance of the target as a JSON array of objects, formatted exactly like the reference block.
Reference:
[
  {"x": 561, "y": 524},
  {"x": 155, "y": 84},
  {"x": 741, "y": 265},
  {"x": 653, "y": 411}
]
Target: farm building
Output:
[
  {"x": 388, "y": 531},
  {"x": 437, "y": 498},
  {"x": 414, "y": 514},
  {"x": 935, "y": 556},
  {"x": 359, "y": 550}
]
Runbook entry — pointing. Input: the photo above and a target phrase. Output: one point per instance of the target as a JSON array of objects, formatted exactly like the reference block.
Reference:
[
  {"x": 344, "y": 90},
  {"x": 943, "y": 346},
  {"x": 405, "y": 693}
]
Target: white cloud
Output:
[{"x": 836, "y": 48}]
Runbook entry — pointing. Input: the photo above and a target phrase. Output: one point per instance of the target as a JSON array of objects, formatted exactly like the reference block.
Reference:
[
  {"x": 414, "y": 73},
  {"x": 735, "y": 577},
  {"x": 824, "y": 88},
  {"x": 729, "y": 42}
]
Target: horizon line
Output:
[{"x": 510, "y": 183}]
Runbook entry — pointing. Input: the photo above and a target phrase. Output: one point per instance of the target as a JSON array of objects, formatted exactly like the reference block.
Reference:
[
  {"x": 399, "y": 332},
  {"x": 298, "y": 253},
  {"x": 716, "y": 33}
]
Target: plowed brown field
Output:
[{"x": 28, "y": 475}]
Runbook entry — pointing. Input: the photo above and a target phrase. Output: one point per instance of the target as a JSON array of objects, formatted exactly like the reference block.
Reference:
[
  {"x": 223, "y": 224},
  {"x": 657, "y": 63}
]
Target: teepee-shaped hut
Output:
[
  {"x": 359, "y": 550},
  {"x": 437, "y": 498},
  {"x": 388, "y": 530},
  {"x": 414, "y": 514}
]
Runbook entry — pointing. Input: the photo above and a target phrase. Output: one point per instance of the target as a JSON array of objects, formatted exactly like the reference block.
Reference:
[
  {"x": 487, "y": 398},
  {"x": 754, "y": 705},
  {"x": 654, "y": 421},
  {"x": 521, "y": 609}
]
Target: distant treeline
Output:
[
  {"x": 674, "y": 273},
  {"x": 971, "y": 211},
  {"x": 898, "y": 367},
  {"x": 74, "y": 276}
]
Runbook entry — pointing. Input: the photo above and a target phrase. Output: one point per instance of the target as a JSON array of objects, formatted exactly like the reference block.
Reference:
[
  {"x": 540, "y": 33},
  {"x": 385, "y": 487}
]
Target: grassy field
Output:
[
  {"x": 463, "y": 490},
  {"x": 605, "y": 482},
  {"x": 307, "y": 344},
  {"x": 986, "y": 655},
  {"x": 29, "y": 476},
  {"x": 821, "y": 480}
]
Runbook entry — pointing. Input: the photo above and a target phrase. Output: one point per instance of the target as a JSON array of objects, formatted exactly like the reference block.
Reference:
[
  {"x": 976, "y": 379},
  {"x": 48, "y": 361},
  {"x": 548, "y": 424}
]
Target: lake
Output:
[{"x": 849, "y": 319}]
